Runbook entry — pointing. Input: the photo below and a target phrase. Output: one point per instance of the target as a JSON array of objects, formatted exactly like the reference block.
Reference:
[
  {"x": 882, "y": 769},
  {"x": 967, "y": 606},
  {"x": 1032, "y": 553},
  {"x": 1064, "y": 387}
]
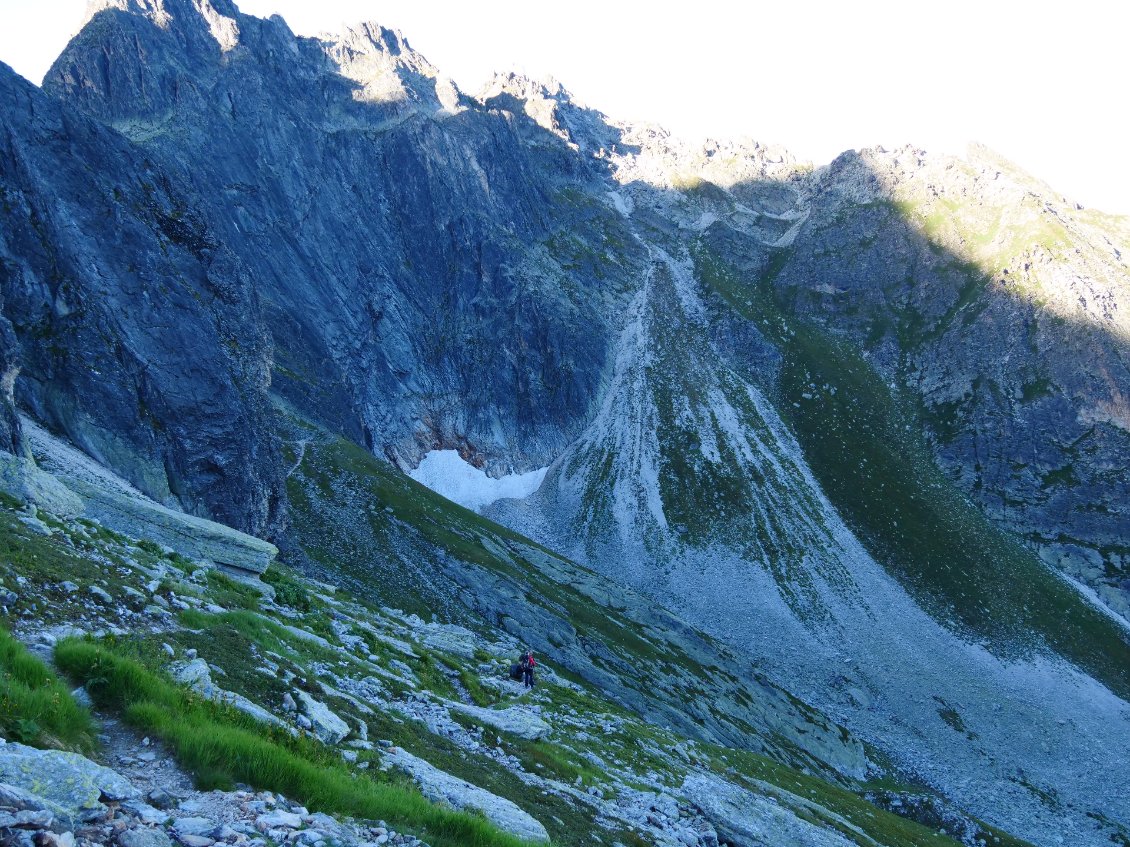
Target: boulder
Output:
[
  {"x": 67, "y": 784},
  {"x": 198, "y": 676},
  {"x": 278, "y": 819},
  {"x": 328, "y": 727}
]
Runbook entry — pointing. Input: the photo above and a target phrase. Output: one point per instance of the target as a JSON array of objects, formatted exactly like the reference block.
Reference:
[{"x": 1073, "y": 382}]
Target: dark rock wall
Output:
[
  {"x": 140, "y": 333},
  {"x": 394, "y": 237}
]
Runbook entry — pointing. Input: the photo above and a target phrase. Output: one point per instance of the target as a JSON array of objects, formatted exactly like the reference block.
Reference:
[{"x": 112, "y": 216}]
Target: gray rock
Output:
[
  {"x": 278, "y": 819},
  {"x": 144, "y": 838},
  {"x": 56, "y": 839},
  {"x": 27, "y": 819},
  {"x": 144, "y": 812},
  {"x": 328, "y": 727},
  {"x": 742, "y": 817},
  {"x": 515, "y": 719},
  {"x": 18, "y": 798},
  {"x": 449, "y": 638},
  {"x": 69, "y": 784},
  {"x": 440, "y": 786},
  {"x": 21, "y": 478},
  {"x": 161, "y": 799},
  {"x": 193, "y": 826}
]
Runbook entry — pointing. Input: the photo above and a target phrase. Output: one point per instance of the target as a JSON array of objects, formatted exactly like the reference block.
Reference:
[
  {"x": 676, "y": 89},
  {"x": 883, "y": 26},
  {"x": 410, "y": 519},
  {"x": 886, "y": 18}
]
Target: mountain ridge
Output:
[{"x": 717, "y": 351}]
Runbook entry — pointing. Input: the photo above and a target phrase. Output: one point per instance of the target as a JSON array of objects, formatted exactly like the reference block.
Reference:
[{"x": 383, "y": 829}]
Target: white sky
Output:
[{"x": 1044, "y": 83}]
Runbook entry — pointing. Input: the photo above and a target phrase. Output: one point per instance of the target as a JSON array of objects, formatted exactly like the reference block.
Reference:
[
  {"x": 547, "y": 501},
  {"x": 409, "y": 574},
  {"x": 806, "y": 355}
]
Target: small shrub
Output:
[
  {"x": 10, "y": 502},
  {"x": 288, "y": 591},
  {"x": 151, "y": 547}
]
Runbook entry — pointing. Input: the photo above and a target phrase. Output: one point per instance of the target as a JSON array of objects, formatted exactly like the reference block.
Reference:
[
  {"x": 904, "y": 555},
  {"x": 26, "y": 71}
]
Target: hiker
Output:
[{"x": 528, "y": 664}]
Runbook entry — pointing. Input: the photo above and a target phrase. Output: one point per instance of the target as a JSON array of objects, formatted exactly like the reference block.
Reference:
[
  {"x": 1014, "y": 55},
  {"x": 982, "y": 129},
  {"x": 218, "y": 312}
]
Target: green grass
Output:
[
  {"x": 864, "y": 443},
  {"x": 480, "y": 695},
  {"x": 229, "y": 593},
  {"x": 36, "y": 708},
  {"x": 223, "y": 747}
]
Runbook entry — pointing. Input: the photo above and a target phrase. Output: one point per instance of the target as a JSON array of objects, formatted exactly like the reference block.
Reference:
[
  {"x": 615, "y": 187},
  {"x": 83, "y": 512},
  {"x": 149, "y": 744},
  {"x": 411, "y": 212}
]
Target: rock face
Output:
[
  {"x": 448, "y": 318},
  {"x": 139, "y": 333},
  {"x": 1007, "y": 317},
  {"x": 9, "y": 370}
]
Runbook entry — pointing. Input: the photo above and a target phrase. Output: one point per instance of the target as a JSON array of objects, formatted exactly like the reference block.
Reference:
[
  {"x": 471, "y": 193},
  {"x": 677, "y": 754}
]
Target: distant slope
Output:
[{"x": 362, "y": 523}]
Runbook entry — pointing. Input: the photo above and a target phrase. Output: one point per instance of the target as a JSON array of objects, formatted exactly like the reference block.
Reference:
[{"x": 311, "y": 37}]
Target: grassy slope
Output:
[
  {"x": 223, "y": 746},
  {"x": 382, "y": 533},
  {"x": 339, "y": 466},
  {"x": 36, "y": 708},
  {"x": 863, "y": 442}
]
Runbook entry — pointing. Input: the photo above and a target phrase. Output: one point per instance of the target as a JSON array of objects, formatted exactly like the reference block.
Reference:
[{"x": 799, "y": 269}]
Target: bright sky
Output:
[{"x": 1044, "y": 83}]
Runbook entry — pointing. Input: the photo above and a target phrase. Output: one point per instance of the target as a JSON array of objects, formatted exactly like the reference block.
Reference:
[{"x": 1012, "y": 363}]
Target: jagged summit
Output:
[
  {"x": 553, "y": 108},
  {"x": 220, "y": 16},
  {"x": 386, "y": 67}
]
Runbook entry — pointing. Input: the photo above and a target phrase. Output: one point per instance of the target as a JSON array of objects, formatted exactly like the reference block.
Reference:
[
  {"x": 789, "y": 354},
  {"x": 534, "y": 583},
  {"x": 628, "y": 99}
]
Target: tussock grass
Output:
[
  {"x": 222, "y": 747},
  {"x": 35, "y": 707}
]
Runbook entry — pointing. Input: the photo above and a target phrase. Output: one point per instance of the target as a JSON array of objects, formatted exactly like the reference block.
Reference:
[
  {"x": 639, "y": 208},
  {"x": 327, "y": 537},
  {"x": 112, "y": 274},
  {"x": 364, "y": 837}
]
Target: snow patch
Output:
[{"x": 447, "y": 474}]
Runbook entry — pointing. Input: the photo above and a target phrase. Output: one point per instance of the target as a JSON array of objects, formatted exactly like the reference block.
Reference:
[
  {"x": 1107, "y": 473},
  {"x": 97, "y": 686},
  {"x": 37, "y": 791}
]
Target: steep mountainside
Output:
[
  {"x": 139, "y": 332},
  {"x": 1005, "y": 309},
  {"x": 398, "y": 229},
  {"x": 831, "y": 460}
]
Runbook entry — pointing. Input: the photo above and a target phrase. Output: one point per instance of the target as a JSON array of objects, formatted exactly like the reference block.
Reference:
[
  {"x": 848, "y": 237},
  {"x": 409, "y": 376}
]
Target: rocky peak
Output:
[
  {"x": 553, "y": 108},
  {"x": 388, "y": 70},
  {"x": 370, "y": 37},
  {"x": 219, "y": 16},
  {"x": 524, "y": 88}
]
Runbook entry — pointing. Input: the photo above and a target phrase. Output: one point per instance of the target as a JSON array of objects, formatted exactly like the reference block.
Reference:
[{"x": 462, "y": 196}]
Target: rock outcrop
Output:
[
  {"x": 1003, "y": 309},
  {"x": 443, "y": 787}
]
